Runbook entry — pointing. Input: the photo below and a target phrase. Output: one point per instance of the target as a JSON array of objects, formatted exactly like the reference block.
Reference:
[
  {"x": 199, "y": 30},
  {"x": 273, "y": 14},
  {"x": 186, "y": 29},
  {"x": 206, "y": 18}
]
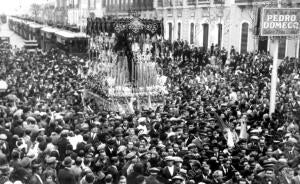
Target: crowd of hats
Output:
[{"x": 46, "y": 128}]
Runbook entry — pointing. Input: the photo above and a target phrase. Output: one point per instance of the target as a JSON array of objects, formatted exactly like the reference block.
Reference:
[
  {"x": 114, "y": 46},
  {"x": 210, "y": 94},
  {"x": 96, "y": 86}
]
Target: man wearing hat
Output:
[
  {"x": 131, "y": 160},
  {"x": 50, "y": 169},
  {"x": 65, "y": 175},
  {"x": 170, "y": 170},
  {"x": 113, "y": 169},
  {"x": 269, "y": 177},
  {"x": 153, "y": 176},
  {"x": 290, "y": 152},
  {"x": 110, "y": 148},
  {"x": 62, "y": 144},
  {"x": 177, "y": 179},
  {"x": 119, "y": 138},
  {"x": 36, "y": 174}
]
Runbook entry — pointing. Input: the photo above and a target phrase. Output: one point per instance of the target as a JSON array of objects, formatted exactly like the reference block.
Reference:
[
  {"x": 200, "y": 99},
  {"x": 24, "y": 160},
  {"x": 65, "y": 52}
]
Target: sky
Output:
[{"x": 13, "y": 7}]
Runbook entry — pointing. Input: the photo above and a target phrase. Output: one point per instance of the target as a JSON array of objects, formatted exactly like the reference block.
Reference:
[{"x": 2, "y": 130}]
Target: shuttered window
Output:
[
  {"x": 205, "y": 36},
  {"x": 220, "y": 35},
  {"x": 192, "y": 33},
  {"x": 282, "y": 47},
  {"x": 244, "y": 38},
  {"x": 179, "y": 31},
  {"x": 170, "y": 30}
]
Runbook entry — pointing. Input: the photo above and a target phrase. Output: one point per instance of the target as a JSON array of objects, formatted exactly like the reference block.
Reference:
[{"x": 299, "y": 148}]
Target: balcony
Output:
[
  {"x": 219, "y": 1},
  {"x": 191, "y": 2},
  {"x": 251, "y": 1},
  {"x": 203, "y": 1},
  {"x": 178, "y": 2},
  {"x": 160, "y": 3}
]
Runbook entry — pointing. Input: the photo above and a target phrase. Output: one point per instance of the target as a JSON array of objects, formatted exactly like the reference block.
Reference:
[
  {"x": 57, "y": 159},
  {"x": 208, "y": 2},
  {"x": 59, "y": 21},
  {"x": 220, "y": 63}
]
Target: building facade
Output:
[
  {"x": 123, "y": 8},
  {"x": 223, "y": 22},
  {"x": 199, "y": 22}
]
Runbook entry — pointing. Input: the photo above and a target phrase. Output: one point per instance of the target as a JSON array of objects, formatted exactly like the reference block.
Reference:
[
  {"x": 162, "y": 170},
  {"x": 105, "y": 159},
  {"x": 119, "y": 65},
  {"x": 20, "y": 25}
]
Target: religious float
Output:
[{"x": 123, "y": 66}]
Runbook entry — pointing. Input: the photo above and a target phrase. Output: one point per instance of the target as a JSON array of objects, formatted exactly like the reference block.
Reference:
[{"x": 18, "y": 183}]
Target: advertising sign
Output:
[{"x": 280, "y": 21}]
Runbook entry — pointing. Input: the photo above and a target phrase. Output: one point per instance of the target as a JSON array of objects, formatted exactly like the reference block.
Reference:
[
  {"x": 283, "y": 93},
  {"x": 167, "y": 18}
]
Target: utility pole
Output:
[{"x": 274, "y": 73}]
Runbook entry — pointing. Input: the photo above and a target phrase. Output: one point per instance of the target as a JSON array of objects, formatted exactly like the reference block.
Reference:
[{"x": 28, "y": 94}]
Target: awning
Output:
[
  {"x": 69, "y": 34},
  {"x": 35, "y": 26},
  {"x": 49, "y": 29}
]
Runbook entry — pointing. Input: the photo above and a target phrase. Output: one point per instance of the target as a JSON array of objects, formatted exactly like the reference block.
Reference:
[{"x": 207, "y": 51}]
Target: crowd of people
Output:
[{"x": 213, "y": 128}]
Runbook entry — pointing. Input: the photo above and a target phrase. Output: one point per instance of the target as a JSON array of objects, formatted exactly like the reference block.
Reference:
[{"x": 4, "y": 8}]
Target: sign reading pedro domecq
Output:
[{"x": 280, "y": 21}]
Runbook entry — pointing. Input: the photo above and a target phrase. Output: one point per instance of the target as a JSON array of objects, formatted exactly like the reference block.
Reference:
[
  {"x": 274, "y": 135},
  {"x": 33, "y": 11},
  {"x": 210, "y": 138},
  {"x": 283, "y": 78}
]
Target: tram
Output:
[{"x": 69, "y": 41}]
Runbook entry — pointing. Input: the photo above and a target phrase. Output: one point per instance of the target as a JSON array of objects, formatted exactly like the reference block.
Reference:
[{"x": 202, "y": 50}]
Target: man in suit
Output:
[
  {"x": 113, "y": 169},
  {"x": 227, "y": 169},
  {"x": 153, "y": 178},
  {"x": 119, "y": 138},
  {"x": 94, "y": 135},
  {"x": 290, "y": 152},
  {"x": 169, "y": 171},
  {"x": 36, "y": 174},
  {"x": 269, "y": 177},
  {"x": 62, "y": 144},
  {"x": 110, "y": 149},
  {"x": 65, "y": 175},
  {"x": 286, "y": 175}
]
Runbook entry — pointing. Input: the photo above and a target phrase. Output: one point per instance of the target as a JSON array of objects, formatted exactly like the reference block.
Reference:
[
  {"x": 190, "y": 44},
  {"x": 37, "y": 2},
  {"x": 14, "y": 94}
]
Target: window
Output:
[
  {"x": 92, "y": 4},
  {"x": 191, "y": 2},
  {"x": 205, "y": 12},
  {"x": 179, "y": 13},
  {"x": 192, "y": 33},
  {"x": 205, "y": 36},
  {"x": 179, "y": 2},
  {"x": 170, "y": 12},
  {"x": 244, "y": 37},
  {"x": 179, "y": 31},
  {"x": 160, "y": 3},
  {"x": 281, "y": 48},
  {"x": 167, "y": 3},
  {"x": 219, "y": 35},
  {"x": 170, "y": 31}
]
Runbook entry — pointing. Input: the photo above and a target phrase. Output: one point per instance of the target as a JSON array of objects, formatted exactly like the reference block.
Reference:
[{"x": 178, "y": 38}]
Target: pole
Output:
[{"x": 274, "y": 73}]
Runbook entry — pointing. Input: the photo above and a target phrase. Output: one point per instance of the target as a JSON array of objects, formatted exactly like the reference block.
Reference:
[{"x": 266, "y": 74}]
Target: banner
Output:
[{"x": 280, "y": 21}]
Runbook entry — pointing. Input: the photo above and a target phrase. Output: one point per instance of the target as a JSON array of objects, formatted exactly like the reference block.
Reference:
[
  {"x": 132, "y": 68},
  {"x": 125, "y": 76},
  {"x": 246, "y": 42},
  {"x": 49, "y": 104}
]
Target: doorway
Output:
[{"x": 205, "y": 36}]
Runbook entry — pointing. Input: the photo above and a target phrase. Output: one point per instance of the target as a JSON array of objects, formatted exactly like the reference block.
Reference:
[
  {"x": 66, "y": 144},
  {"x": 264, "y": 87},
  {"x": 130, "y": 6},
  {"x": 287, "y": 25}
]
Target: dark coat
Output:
[
  {"x": 35, "y": 180},
  {"x": 114, "y": 172},
  {"x": 152, "y": 180},
  {"x": 62, "y": 147},
  {"x": 112, "y": 153},
  {"x": 167, "y": 175},
  {"x": 65, "y": 176}
]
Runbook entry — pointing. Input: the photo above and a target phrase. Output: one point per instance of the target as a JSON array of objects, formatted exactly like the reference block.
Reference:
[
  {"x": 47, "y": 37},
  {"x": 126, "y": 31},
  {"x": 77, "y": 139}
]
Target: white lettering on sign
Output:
[
  {"x": 281, "y": 25},
  {"x": 280, "y": 21},
  {"x": 280, "y": 18}
]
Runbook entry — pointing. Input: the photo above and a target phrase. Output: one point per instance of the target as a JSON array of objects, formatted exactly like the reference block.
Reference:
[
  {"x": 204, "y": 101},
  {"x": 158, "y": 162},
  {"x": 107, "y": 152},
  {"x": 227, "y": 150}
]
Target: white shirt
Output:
[
  {"x": 233, "y": 96},
  {"x": 75, "y": 140},
  {"x": 34, "y": 150},
  {"x": 143, "y": 128},
  {"x": 171, "y": 170}
]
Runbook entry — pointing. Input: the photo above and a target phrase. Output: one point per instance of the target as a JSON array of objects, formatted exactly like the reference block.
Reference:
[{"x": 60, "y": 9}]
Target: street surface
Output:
[{"x": 14, "y": 38}]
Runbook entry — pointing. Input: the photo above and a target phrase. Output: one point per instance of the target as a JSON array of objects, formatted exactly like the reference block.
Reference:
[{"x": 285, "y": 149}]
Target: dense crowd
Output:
[{"x": 213, "y": 128}]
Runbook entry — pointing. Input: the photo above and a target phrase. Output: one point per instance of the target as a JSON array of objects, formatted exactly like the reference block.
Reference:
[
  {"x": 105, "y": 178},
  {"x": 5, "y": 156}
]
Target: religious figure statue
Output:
[
  {"x": 135, "y": 47},
  {"x": 147, "y": 45}
]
